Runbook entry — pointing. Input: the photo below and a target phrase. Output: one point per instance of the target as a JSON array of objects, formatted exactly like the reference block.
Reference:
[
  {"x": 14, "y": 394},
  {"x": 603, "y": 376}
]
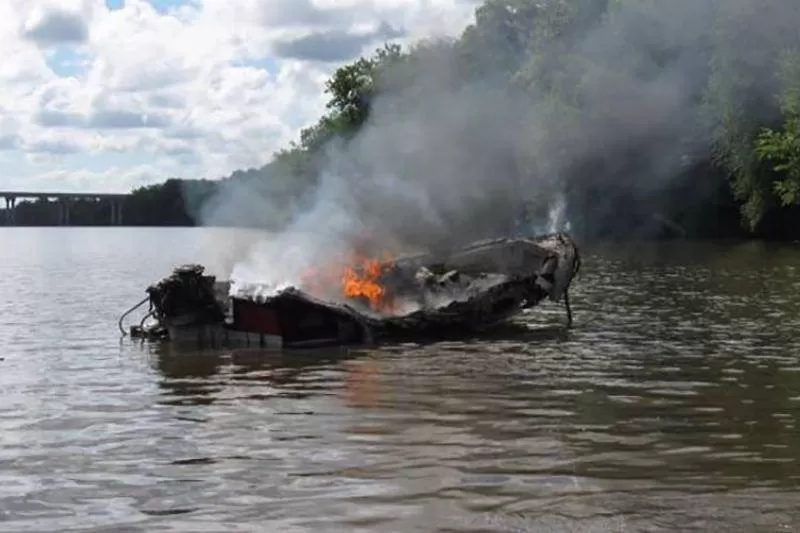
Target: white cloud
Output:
[{"x": 100, "y": 99}]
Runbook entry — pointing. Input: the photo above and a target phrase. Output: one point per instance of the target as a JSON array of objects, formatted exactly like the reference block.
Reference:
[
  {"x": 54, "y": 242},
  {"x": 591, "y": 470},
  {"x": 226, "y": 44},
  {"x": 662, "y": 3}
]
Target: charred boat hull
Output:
[{"x": 467, "y": 290}]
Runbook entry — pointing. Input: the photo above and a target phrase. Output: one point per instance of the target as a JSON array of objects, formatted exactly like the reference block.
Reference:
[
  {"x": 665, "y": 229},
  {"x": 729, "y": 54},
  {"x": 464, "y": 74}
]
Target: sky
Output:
[{"x": 109, "y": 95}]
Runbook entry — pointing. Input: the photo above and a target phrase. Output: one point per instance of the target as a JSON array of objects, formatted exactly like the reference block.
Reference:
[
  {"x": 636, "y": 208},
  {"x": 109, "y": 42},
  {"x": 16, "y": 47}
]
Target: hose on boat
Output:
[
  {"x": 569, "y": 310},
  {"x": 576, "y": 266},
  {"x": 129, "y": 311},
  {"x": 151, "y": 313}
]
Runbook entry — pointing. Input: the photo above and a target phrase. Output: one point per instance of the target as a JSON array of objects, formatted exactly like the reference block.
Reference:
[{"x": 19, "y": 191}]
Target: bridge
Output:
[{"x": 63, "y": 201}]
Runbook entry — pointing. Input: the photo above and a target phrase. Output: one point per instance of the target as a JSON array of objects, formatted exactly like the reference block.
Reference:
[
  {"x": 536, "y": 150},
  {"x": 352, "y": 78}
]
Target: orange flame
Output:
[{"x": 361, "y": 278}]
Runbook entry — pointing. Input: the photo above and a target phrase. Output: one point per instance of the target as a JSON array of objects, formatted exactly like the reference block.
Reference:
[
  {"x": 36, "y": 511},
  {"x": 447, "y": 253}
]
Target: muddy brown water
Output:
[{"x": 672, "y": 405}]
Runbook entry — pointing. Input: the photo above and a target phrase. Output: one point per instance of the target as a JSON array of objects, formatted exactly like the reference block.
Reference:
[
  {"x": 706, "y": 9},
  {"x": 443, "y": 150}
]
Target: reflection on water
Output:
[{"x": 672, "y": 405}]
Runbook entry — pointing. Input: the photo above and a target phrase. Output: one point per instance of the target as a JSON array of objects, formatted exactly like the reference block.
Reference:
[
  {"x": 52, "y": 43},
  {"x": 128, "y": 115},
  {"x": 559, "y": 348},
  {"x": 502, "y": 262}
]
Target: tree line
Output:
[{"x": 647, "y": 117}]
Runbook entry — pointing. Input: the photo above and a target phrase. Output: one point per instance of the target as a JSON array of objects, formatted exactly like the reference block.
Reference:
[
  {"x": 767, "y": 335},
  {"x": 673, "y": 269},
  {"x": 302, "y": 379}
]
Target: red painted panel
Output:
[{"x": 256, "y": 318}]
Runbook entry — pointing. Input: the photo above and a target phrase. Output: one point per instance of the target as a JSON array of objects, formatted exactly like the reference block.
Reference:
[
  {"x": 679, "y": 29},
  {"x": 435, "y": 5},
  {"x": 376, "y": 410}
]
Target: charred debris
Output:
[{"x": 470, "y": 289}]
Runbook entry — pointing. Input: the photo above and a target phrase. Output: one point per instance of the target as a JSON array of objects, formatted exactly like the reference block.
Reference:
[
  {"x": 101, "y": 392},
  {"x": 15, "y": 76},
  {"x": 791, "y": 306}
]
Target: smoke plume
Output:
[{"x": 446, "y": 161}]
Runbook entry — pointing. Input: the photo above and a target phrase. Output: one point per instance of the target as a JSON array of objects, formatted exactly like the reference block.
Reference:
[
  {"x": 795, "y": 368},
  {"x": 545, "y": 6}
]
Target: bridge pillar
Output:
[
  {"x": 116, "y": 212},
  {"x": 63, "y": 211},
  {"x": 11, "y": 210}
]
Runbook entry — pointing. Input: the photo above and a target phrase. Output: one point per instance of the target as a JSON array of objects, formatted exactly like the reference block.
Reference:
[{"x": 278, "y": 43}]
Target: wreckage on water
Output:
[{"x": 425, "y": 295}]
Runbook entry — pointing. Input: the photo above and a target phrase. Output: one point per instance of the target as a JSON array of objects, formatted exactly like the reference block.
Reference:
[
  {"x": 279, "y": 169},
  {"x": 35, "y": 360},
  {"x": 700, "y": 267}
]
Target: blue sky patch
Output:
[
  {"x": 162, "y": 6},
  {"x": 165, "y": 6},
  {"x": 65, "y": 61},
  {"x": 270, "y": 64}
]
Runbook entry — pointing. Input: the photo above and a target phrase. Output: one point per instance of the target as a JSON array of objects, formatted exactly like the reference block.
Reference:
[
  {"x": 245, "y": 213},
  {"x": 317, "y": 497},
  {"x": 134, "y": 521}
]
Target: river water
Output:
[{"x": 672, "y": 405}]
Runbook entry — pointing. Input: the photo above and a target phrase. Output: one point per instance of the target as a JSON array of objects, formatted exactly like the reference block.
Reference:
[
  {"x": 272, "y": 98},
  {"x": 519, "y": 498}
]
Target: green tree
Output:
[
  {"x": 748, "y": 40},
  {"x": 781, "y": 148},
  {"x": 351, "y": 90}
]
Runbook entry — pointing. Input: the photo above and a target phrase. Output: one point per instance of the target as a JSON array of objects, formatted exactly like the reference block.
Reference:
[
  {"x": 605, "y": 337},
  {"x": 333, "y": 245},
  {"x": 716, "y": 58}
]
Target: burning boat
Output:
[{"x": 416, "y": 296}]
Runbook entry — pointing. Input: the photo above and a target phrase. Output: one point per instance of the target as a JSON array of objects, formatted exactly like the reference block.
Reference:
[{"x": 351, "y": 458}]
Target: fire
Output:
[
  {"x": 358, "y": 278},
  {"x": 363, "y": 280}
]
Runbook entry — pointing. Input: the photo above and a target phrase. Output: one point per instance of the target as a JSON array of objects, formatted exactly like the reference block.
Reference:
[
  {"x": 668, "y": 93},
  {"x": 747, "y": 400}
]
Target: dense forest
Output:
[{"x": 643, "y": 118}]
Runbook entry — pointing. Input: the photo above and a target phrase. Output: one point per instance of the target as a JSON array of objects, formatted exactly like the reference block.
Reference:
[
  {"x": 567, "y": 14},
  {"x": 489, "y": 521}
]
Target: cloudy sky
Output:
[{"x": 106, "y": 95}]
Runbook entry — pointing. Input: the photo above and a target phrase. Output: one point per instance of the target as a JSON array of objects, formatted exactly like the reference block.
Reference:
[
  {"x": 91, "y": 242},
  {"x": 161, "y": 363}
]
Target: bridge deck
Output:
[
  {"x": 62, "y": 201},
  {"x": 44, "y": 194}
]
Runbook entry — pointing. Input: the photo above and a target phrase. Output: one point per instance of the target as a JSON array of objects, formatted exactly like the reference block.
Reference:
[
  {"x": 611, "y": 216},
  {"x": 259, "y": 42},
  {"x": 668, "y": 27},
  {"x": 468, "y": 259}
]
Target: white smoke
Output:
[
  {"x": 444, "y": 162},
  {"x": 557, "y": 216}
]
